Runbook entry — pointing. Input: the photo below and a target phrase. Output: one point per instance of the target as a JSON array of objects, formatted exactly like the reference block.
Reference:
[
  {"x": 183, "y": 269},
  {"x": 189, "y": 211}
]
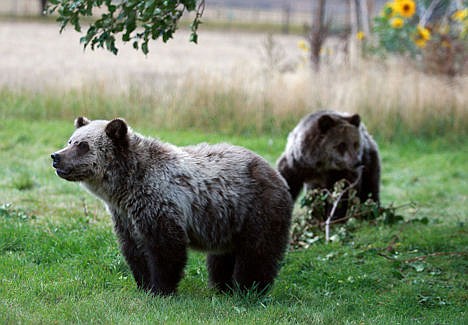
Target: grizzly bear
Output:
[
  {"x": 221, "y": 199},
  {"x": 329, "y": 146}
]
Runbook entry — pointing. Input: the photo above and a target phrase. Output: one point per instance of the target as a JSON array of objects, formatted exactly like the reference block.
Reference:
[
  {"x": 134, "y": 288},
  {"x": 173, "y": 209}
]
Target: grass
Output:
[
  {"x": 59, "y": 260},
  {"x": 217, "y": 106},
  {"x": 244, "y": 84},
  {"x": 72, "y": 273}
]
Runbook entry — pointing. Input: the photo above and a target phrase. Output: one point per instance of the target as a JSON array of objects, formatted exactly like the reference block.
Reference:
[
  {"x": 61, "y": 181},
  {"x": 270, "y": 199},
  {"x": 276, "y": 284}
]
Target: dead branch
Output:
[
  {"x": 423, "y": 257},
  {"x": 337, "y": 201}
]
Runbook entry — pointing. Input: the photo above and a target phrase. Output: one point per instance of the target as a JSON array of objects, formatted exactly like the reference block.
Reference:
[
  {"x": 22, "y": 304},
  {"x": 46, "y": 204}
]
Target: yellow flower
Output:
[
  {"x": 302, "y": 45},
  {"x": 420, "y": 43},
  {"x": 360, "y": 35},
  {"x": 423, "y": 33},
  {"x": 397, "y": 22},
  {"x": 405, "y": 8},
  {"x": 460, "y": 15}
]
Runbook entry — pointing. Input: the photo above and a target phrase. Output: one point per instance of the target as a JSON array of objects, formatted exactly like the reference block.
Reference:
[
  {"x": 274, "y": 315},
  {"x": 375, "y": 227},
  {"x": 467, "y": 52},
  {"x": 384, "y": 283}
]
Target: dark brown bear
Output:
[
  {"x": 221, "y": 199},
  {"x": 328, "y": 146}
]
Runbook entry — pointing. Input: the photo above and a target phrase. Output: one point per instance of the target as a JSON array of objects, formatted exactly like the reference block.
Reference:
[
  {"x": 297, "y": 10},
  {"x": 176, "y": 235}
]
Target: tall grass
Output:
[{"x": 392, "y": 97}]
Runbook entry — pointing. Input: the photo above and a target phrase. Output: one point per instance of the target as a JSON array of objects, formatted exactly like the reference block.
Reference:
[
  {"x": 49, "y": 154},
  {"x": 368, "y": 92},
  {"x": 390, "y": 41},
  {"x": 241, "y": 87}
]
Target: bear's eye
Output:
[
  {"x": 341, "y": 147},
  {"x": 83, "y": 147}
]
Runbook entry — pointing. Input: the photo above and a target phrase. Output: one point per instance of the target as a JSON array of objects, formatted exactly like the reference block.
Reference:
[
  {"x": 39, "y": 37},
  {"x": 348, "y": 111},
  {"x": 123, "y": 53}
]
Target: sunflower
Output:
[
  {"x": 420, "y": 43},
  {"x": 397, "y": 22},
  {"x": 460, "y": 15},
  {"x": 405, "y": 8},
  {"x": 423, "y": 35}
]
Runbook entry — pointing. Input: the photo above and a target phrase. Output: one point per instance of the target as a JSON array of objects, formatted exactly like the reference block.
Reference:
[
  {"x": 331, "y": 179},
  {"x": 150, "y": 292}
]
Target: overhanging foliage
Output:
[{"x": 138, "y": 21}]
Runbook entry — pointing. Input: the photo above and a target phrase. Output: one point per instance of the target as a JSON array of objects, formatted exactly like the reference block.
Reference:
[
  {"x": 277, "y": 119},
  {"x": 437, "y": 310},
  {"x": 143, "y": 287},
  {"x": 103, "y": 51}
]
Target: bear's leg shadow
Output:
[{"x": 220, "y": 270}]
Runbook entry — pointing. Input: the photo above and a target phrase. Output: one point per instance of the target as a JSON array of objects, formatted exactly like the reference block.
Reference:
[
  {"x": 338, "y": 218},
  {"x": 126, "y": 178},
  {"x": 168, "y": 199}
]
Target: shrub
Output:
[{"x": 317, "y": 217}]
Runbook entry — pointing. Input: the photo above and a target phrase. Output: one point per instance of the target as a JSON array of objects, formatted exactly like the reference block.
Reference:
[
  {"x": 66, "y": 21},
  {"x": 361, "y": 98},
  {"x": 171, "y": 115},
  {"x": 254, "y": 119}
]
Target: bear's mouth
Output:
[
  {"x": 70, "y": 174},
  {"x": 62, "y": 172}
]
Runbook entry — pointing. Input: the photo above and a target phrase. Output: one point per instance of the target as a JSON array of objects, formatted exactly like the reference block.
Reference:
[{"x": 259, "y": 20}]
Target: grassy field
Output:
[{"x": 59, "y": 261}]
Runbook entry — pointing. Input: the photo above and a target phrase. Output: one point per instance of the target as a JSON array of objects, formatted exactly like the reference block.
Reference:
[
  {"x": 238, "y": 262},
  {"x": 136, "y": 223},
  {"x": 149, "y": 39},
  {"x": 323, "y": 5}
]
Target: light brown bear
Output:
[
  {"x": 328, "y": 146},
  {"x": 221, "y": 199}
]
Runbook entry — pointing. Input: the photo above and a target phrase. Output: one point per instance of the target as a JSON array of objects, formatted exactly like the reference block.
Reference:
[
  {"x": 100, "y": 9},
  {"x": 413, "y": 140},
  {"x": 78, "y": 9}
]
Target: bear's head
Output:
[
  {"x": 92, "y": 148},
  {"x": 333, "y": 142}
]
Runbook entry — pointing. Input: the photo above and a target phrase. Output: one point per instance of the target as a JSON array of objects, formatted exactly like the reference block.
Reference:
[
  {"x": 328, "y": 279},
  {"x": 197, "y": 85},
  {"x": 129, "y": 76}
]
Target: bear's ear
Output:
[
  {"x": 81, "y": 121},
  {"x": 354, "y": 120},
  {"x": 325, "y": 123},
  {"x": 117, "y": 130}
]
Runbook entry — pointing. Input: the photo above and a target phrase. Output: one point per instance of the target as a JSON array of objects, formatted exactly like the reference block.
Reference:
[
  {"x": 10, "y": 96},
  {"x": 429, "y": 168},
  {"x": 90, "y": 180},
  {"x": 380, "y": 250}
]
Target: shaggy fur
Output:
[
  {"x": 326, "y": 147},
  {"x": 221, "y": 199}
]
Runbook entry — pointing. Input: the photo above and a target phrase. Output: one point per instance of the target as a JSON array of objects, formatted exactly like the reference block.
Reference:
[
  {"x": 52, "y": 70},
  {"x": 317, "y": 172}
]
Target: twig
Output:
[
  {"x": 428, "y": 12},
  {"x": 335, "y": 205},
  {"x": 200, "y": 10},
  {"x": 387, "y": 257},
  {"x": 423, "y": 257},
  {"x": 85, "y": 207}
]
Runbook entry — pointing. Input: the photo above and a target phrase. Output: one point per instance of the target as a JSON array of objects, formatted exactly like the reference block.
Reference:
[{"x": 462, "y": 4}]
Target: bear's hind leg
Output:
[
  {"x": 254, "y": 272},
  {"x": 220, "y": 270}
]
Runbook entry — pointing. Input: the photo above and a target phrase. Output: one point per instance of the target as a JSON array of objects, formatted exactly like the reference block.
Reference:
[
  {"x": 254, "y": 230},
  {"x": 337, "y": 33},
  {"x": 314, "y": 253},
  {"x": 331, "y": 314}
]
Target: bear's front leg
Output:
[
  {"x": 165, "y": 247},
  {"x": 292, "y": 178},
  {"x": 134, "y": 256}
]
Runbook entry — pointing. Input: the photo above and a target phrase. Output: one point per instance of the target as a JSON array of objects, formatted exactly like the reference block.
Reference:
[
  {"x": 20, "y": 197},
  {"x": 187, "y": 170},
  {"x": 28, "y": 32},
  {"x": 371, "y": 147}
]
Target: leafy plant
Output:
[
  {"x": 320, "y": 204},
  {"x": 435, "y": 31},
  {"x": 138, "y": 21},
  {"x": 398, "y": 29}
]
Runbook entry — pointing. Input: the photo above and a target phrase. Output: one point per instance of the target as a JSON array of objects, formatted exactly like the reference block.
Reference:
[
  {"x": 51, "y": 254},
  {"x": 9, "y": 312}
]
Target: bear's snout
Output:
[{"x": 55, "y": 159}]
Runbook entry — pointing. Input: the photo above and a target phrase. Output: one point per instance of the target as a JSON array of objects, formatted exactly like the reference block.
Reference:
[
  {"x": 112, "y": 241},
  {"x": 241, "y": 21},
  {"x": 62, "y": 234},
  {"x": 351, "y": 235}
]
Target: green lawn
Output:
[{"x": 59, "y": 260}]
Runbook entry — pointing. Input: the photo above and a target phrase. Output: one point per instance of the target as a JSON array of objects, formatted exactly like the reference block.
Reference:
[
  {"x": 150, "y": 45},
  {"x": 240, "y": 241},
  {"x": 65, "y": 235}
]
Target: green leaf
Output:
[
  {"x": 144, "y": 47},
  {"x": 158, "y": 19},
  {"x": 194, "y": 38}
]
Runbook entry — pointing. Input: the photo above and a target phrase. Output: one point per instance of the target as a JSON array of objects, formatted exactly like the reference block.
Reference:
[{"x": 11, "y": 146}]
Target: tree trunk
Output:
[
  {"x": 353, "y": 17},
  {"x": 318, "y": 34},
  {"x": 364, "y": 14},
  {"x": 43, "y": 6},
  {"x": 286, "y": 16}
]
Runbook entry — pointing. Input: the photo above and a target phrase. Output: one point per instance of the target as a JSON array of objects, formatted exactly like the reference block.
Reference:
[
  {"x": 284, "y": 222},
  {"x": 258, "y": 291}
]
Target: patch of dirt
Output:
[{"x": 35, "y": 56}]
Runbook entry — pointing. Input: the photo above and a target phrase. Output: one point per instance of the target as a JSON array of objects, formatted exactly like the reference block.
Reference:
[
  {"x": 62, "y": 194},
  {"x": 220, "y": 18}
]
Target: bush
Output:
[{"x": 318, "y": 214}]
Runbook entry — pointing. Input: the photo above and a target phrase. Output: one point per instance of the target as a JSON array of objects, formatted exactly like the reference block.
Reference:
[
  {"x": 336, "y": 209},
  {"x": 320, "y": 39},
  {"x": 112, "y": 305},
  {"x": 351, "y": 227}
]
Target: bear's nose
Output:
[{"x": 55, "y": 157}]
